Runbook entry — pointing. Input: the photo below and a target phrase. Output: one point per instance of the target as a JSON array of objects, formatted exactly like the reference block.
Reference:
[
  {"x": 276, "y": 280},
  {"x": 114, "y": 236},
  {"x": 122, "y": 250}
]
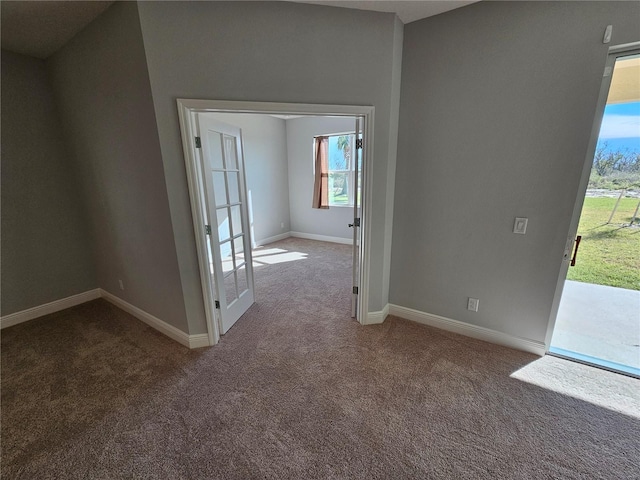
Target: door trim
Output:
[
  {"x": 613, "y": 53},
  {"x": 187, "y": 111}
]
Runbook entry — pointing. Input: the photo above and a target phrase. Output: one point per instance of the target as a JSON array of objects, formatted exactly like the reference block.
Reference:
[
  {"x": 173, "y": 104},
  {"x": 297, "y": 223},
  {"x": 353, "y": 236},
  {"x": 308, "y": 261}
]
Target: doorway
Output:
[
  {"x": 598, "y": 314},
  {"x": 209, "y": 241}
]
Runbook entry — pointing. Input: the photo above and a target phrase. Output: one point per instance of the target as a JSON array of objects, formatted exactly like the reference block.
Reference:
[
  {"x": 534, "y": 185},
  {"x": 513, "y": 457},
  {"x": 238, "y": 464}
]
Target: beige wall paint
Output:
[
  {"x": 46, "y": 248},
  {"x": 498, "y": 100},
  {"x": 102, "y": 86}
]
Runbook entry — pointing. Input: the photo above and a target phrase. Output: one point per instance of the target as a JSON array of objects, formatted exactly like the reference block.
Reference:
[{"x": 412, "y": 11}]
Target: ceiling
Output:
[
  {"x": 39, "y": 28},
  {"x": 625, "y": 83},
  {"x": 407, "y": 11}
]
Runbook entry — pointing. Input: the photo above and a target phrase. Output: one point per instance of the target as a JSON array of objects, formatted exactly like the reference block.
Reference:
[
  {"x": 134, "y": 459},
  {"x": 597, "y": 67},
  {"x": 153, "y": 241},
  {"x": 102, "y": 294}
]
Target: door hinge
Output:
[
  {"x": 198, "y": 142},
  {"x": 207, "y": 229},
  {"x": 356, "y": 222},
  {"x": 217, "y": 304},
  {"x": 358, "y": 143},
  {"x": 355, "y": 290}
]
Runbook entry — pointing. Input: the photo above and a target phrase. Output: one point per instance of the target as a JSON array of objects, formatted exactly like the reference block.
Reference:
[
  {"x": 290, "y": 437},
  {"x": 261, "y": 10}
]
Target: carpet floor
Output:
[{"x": 298, "y": 390}]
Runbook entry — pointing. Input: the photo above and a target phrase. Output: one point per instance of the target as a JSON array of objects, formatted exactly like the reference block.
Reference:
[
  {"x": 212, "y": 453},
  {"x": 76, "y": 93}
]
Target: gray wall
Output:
[
  {"x": 300, "y": 132},
  {"x": 102, "y": 85},
  {"x": 268, "y": 51},
  {"x": 46, "y": 252},
  {"x": 498, "y": 99},
  {"x": 264, "y": 139}
]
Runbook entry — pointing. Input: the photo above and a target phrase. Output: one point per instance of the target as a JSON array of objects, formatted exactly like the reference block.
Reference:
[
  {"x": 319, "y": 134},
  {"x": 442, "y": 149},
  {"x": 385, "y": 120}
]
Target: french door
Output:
[{"x": 227, "y": 219}]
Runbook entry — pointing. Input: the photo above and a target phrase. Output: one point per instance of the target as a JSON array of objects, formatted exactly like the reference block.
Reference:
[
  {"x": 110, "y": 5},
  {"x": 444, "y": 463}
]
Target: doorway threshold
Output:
[{"x": 595, "y": 362}]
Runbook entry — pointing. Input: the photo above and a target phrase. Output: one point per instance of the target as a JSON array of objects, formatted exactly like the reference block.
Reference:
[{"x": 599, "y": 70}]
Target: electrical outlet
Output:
[
  {"x": 473, "y": 304},
  {"x": 282, "y": 225},
  {"x": 121, "y": 284}
]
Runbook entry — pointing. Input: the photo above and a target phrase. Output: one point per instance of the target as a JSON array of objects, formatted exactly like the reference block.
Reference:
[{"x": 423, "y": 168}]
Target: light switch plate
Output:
[{"x": 520, "y": 225}]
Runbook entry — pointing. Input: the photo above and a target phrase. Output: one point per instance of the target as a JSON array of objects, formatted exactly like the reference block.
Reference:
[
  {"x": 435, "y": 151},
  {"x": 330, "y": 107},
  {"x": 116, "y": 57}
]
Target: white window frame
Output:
[{"x": 350, "y": 173}]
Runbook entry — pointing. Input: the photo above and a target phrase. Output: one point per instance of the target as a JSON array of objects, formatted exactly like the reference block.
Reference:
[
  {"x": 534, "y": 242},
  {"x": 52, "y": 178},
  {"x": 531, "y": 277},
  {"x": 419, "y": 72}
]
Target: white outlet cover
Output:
[
  {"x": 520, "y": 225},
  {"x": 473, "y": 304}
]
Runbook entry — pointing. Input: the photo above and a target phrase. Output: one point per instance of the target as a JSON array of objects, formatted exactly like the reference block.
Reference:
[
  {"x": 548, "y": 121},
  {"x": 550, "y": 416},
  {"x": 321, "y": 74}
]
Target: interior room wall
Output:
[
  {"x": 394, "y": 125},
  {"x": 102, "y": 86},
  {"x": 46, "y": 247},
  {"x": 304, "y": 219},
  {"x": 272, "y": 52},
  {"x": 497, "y": 105},
  {"x": 264, "y": 139}
]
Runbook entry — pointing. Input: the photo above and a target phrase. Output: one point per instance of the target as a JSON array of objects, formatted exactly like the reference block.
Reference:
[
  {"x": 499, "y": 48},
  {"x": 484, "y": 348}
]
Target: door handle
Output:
[
  {"x": 351, "y": 225},
  {"x": 575, "y": 251}
]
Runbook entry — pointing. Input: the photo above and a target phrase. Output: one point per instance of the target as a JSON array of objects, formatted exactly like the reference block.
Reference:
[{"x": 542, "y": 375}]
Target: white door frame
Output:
[
  {"x": 613, "y": 53},
  {"x": 187, "y": 111}
]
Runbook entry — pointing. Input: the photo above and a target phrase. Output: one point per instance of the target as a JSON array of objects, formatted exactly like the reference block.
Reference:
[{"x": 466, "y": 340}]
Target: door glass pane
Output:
[
  {"x": 215, "y": 144},
  {"x": 234, "y": 190},
  {"x": 219, "y": 188},
  {"x": 230, "y": 152},
  {"x": 227, "y": 257},
  {"x": 209, "y": 252},
  {"x": 243, "y": 284},
  {"x": 224, "y": 231},
  {"x": 230, "y": 288},
  {"x": 236, "y": 220},
  {"x": 238, "y": 244}
]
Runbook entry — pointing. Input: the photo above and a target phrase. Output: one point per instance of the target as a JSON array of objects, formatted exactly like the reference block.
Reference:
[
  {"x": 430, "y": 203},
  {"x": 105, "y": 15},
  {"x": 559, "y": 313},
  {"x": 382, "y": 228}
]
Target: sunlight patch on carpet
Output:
[{"x": 589, "y": 384}]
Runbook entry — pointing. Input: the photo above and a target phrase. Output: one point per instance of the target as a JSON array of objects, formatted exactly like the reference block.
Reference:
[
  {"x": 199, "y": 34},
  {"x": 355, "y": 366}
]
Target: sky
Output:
[
  {"x": 621, "y": 127},
  {"x": 336, "y": 157}
]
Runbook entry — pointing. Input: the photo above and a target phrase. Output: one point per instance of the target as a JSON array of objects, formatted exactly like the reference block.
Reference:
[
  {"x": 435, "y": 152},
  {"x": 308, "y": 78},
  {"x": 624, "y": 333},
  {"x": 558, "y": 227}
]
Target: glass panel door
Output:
[
  {"x": 227, "y": 209},
  {"x": 598, "y": 320}
]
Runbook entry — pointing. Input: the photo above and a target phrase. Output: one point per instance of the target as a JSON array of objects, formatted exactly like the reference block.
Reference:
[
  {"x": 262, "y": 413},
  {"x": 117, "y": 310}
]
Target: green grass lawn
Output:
[
  {"x": 608, "y": 254},
  {"x": 339, "y": 199}
]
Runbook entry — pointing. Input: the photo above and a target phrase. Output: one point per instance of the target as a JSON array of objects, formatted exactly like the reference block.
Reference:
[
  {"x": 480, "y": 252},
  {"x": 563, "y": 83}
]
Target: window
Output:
[{"x": 342, "y": 160}]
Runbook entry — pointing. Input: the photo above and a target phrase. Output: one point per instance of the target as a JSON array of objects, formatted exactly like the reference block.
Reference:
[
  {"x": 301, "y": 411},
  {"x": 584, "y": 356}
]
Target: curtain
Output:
[{"x": 321, "y": 183}]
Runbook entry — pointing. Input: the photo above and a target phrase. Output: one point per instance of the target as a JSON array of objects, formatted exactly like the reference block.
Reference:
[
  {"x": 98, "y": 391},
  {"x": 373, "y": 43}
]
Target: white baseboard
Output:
[
  {"x": 322, "y": 238},
  {"x": 268, "y": 240},
  {"x": 481, "y": 333},
  {"x": 191, "y": 341},
  {"x": 375, "y": 318},
  {"x": 198, "y": 341},
  {"x": 48, "y": 308}
]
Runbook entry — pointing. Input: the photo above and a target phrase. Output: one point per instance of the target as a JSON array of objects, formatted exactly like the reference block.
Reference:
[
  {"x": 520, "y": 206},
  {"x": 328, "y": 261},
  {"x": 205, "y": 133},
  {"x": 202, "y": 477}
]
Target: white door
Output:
[
  {"x": 356, "y": 185},
  {"x": 227, "y": 212}
]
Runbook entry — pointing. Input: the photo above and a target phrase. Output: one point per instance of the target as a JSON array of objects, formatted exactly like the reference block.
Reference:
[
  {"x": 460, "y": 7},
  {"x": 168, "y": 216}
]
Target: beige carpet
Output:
[{"x": 299, "y": 390}]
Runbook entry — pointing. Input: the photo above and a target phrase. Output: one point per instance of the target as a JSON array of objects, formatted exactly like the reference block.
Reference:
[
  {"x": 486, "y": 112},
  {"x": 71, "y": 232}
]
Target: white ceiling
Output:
[
  {"x": 39, "y": 28},
  {"x": 407, "y": 11}
]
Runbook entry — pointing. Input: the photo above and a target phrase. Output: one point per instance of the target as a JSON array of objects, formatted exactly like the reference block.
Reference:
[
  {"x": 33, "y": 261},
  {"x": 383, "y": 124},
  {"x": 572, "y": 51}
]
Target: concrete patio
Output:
[{"x": 599, "y": 321}]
